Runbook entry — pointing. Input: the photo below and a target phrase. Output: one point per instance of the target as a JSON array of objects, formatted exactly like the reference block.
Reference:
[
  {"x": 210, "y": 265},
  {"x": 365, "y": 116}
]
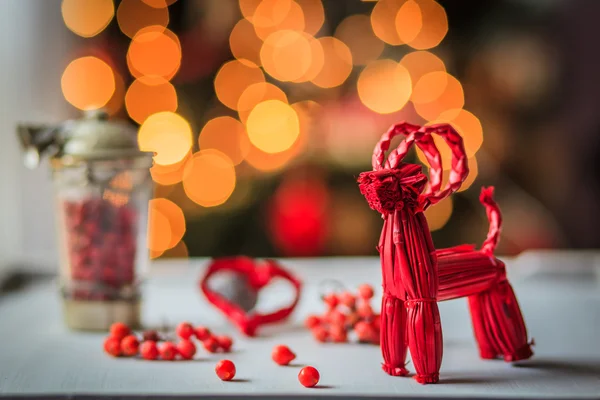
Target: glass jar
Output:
[{"x": 102, "y": 189}]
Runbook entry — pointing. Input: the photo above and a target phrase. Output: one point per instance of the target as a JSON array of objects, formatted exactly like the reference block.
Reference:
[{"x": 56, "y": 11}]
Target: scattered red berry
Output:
[
  {"x": 186, "y": 349},
  {"x": 336, "y": 317},
  {"x": 149, "y": 350},
  {"x": 130, "y": 345},
  {"x": 225, "y": 370},
  {"x": 365, "y": 332},
  {"x": 365, "y": 310},
  {"x": 151, "y": 335},
  {"x": 311, "y": 321},
  {"x": 225, "y": 342},
  {"x": 112, "y": 346},
  {"x": 202, "y": 333},
  {"x": 338, "y": 334},
  {"x": 211, "y": 345},
  {"x": 168, "y": 351},
  {"x": 185, "y": 330},
  {"x": 365, "y": 291},
  {"x": 348, "y": 299},
  {"x": 331, "y": 300},
  {"x": 309, "y": 376},
  {"x": 282, "y": 355},
  {"x": 119, "y": 330},
  {"x": 320, "y": 334}
]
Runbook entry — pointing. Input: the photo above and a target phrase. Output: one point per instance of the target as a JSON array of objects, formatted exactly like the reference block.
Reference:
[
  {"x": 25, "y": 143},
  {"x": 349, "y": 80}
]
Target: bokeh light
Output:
[
  {"x": 273, "y": 126},
  {"x": 233, "y": 78},
  {"x": 167, "y": 224},
  {"x": 286, "y": 55},
  {"x": 419, "y": 63},
  {"x": 314, "y": 15},
  {"x": 171, "y": 174},
  {"x": 148, "y": 96},
  {"x": 257, "y": 93},
  {"x": 317, "y": 60},
  {"x": 384, "y": 86},
  {"x": 159, "y": 3},
  {"x": 393, "y": 20},
  {"x": 439, "y": 214},
  {"x": 435, "y": 25},
  {"x": 356, "y": 32},
  {"x": 87, "y": 18},
  {"x": 293, "y": 20},
  {"x": 248, "y": 7},
  {"x": 408, "y": 21},
  {"x": 88, "y": 83},
  {"x": 244, "y": 43},
  {"x": 227, "y": 135},
  {"x": 269, "y": 13},
  {"x": 451, "y": 98},
  {"x": 175, "y": 216},
  {"x": 167, "y": 134},
  {"x": 159, "y": 231},
  {"x": 115, "y": 104},
  {"x": 271, "y": 162},
  {"x": 133, "y": 15},
  {"x": 154, "y": 51},
  {"x": 209, "y": 178},
  {"x": 429, "y": 87},
  {"x": 337, "y": 63}
]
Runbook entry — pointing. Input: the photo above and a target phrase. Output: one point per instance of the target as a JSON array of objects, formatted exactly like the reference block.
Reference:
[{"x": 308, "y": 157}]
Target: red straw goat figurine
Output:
[{"x": 416, "y": 276}]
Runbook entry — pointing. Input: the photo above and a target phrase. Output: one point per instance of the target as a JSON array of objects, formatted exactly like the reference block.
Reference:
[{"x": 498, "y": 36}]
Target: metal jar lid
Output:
[{"x": 91, "y": 138}]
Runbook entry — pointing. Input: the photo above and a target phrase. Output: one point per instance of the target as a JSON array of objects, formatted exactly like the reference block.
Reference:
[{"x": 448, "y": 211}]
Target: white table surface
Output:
[{"x": 559, "y": 293}]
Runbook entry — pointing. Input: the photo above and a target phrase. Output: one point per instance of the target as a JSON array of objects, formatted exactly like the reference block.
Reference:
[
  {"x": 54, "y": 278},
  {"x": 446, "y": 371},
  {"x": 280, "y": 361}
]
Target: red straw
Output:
[{"x": 409, "y": 315}]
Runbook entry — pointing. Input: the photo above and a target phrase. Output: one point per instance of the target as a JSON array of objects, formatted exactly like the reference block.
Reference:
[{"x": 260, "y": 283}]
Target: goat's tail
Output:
[{"x": 494, "y": 217}]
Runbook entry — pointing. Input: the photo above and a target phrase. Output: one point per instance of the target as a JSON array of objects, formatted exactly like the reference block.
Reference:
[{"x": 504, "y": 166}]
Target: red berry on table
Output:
[
  {"x": 130, "y": 345},
  {"x": 348, "y": 299},
  {"x": 365, "y": 310},
  {"x": 331, "y": 300},
  {"x": 185, "y": 330},
  {"x": 336, "y": 317},
  {"x": 225, "y": 370},
  {"x": 211, "y": 345},
  {"x": 168, "y": 351},
  {"x": 309, "y": 376},
  {"x": 151, "y": 335},
  {"x": 338, "y": 334},
  {"x": 320, "y": 333},
  {"x": 375, "y": 321},
  {"x": 119, "y": 330},
  {"x": 202, "y": 333},
  {"x": 365, "y": 291},
  {"x": 365, "y": 332},
  {"x": 186, "y": 349},
  {"x": 282, "y": 355},
  {"x": 112, "y": 346},
  {"x": 225, "y": 342},
  {"x": 311, "y": 321},
  {"x": 149, "y": 350}
]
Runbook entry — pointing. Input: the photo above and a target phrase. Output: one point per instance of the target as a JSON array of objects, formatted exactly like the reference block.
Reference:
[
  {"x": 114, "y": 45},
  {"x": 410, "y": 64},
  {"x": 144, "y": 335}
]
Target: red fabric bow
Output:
[{"x": 258, "y": 275}]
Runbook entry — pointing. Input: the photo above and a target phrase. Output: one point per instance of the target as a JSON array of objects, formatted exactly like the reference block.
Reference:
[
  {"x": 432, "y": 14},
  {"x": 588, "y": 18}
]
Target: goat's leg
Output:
[
  {"x": 393, "y": 335},
  {"x": 498, "y": 324}
]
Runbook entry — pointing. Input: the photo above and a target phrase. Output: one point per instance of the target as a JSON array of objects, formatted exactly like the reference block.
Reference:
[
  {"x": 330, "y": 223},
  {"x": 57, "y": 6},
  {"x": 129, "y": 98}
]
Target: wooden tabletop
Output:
[{"x": 559, "y": 293}]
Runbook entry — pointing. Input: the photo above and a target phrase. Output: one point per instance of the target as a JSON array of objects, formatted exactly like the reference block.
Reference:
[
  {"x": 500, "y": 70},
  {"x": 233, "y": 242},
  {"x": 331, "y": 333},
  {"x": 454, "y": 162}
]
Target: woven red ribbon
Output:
[
  {"x": 409, "y": 261},
  {"x": 258, "y": 274}
]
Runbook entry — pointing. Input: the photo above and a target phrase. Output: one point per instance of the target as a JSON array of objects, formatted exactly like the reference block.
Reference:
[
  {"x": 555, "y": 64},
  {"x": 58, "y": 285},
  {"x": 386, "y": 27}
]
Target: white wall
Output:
[{"x": 34, "y": 49}]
